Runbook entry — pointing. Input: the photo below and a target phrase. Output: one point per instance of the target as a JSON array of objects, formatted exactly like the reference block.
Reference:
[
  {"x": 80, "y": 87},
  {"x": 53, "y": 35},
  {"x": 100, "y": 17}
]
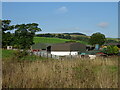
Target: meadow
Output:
[
  {"x": 53, "y": 40},
  {"x": 50, "y": 73},
  {"x": 7, "y": 53}
]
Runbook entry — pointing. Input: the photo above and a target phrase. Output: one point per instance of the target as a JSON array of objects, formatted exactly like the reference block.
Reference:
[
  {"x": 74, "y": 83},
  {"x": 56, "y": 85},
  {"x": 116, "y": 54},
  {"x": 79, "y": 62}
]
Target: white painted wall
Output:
[{"x": 63, "y": 53}]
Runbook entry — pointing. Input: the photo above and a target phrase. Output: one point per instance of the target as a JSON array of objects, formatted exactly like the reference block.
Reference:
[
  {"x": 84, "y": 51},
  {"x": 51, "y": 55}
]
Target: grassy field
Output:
[
  {"x": 40, "y": 72},
  {"x": 115, "y": 39},
  {"x": 58, "y": 40},
  {"x": 7, "y": 53},
  {"x": 52, "y": 40}
]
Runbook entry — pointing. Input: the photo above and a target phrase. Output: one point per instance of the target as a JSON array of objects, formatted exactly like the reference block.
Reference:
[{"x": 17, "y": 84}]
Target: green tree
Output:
[
  {"x": 97, "y": 38},
  {"x": 24, "y": 35},
  {"x": 7, "y": 37}
]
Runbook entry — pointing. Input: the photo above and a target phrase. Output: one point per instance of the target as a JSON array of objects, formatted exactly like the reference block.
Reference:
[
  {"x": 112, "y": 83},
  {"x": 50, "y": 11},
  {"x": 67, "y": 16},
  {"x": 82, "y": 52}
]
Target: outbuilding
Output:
[
  {"x": 40, "y": 46},
  {"x": 70, "y": 48}
]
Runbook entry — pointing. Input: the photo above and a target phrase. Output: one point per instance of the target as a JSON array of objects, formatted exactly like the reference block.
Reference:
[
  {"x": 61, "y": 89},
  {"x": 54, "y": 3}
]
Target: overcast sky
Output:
[{"x": 54, "y": 17}]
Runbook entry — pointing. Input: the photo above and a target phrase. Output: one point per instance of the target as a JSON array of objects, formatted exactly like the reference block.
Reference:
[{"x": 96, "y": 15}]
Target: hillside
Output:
[
  {"x": 63, "y": 37},
  {"x": 53, "y": 40},
  {"x": 114, "y": 39}
]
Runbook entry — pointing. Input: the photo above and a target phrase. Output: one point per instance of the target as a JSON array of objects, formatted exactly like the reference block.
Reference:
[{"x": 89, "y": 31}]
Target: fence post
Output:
[
  {"x": 40, "y": 54},
  {"x": 51, "y": 55},
  {"x": 70, "y": 56},
  {"x": 37, "y": 53},
  {"x": 47, "y": 54},
  {"x": 55, "y": 56}
]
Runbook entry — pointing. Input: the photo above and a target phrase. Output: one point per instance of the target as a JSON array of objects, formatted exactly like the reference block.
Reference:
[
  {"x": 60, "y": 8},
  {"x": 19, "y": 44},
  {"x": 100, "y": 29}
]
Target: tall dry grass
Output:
[{"x": 77, "y": 73}]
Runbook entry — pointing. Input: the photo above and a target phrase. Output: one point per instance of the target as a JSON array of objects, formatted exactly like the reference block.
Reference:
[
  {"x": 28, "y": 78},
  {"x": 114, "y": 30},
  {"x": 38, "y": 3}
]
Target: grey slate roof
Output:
[
  {"x": 68, "y": 47},
  {"x": 40, "y": 45}
]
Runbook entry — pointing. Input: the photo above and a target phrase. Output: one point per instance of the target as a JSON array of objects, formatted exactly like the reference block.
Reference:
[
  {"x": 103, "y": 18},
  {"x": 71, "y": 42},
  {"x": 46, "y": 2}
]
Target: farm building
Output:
[
  {"x": 89, "y": 47},
  {"x": 40, "y": 46},
  {"x": 70, "y": 48}
]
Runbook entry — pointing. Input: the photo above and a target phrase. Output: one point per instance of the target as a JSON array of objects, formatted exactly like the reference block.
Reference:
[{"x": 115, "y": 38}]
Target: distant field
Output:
[
  {"x": 52, "y": 40},
  {"x": 80, "y": 36},
  {"x": 113, "y": 39}
]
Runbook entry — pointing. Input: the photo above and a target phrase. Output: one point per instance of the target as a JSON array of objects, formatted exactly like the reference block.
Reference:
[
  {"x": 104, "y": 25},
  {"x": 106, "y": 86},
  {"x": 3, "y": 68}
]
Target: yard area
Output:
[{"x": 51, "y": 73}]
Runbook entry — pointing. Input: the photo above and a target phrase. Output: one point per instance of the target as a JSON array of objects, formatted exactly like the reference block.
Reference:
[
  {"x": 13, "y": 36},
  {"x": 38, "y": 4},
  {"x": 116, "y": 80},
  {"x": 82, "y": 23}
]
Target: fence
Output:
[
  {"x": 49, "y": 55},
  {"x": 45, "y": 54}
]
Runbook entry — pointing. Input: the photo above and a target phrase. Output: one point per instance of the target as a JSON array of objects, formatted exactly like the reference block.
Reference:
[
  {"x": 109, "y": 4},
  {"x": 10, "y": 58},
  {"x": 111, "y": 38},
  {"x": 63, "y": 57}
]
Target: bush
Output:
[
  {"x": 116, "y": 50},
  {"x": 20, "y": 54},
  {"x": 112, "y": 49},
  {"x": 104, "y": 50}
]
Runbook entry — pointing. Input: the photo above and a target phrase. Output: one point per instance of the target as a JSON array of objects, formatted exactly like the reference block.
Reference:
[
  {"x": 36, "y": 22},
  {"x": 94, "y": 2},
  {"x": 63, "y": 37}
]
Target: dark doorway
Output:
[
  {"x": 118, "y": 46},
  {"x": 88, "y": 48},
  {"x": 49, "y": 49}
]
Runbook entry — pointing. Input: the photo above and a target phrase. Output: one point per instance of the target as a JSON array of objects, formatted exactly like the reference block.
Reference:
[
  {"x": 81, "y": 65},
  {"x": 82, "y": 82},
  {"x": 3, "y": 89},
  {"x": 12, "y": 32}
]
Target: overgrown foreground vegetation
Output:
[{"x": 77, "y": 73}]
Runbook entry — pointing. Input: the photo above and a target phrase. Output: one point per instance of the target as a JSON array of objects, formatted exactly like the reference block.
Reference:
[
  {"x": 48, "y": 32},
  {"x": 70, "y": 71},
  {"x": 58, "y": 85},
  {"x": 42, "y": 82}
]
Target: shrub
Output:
[
  {"x": 104, "y": 50},
  {"x": 112, "y": 49},
  {"x": 20, "y": 54},
  {"x": 116, "y": 50}
]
